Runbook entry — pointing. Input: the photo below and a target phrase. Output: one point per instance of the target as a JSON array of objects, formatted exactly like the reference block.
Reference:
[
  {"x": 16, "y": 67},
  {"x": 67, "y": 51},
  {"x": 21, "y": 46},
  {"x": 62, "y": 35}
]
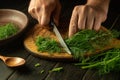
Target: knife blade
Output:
[{"x": 62, "y": 42}]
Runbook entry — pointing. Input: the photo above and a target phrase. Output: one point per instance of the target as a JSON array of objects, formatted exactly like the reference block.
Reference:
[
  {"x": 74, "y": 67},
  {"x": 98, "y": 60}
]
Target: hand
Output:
[
  {"x": 86, "y": 17},
  {"x": 42, "y": 10}
]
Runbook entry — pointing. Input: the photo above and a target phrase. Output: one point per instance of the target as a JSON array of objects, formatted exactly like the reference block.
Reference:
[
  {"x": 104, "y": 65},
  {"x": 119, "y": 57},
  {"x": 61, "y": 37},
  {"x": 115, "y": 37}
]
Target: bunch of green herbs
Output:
[
  {"x": 88, "y": 41},
  {"x": 104, "y": 62},
  {"x": 7, "y": 30}
]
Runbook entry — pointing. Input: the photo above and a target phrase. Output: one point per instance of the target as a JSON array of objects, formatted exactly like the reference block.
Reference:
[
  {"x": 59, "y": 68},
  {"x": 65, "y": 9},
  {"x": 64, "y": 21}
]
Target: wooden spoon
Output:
[{"x": 12, "y": 61}]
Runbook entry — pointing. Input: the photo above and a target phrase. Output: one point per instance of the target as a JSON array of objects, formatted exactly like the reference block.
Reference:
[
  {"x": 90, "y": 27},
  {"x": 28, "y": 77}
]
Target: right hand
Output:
[
  {"x": 86, "y": 17},
  {"x": 42, "y": 10}
]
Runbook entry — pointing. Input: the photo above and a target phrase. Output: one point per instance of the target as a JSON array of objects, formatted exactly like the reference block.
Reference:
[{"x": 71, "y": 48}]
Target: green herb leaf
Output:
[
  {"x": 37, "y": 65},
  {"x": 58, "y": 69},
  {"x": 105, "y": 62},
  {"x": 42, "y": 71}
]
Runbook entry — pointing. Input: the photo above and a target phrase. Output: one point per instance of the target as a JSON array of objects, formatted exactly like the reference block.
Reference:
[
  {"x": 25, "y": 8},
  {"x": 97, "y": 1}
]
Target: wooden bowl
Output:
[{"x": 16, "y": 17}]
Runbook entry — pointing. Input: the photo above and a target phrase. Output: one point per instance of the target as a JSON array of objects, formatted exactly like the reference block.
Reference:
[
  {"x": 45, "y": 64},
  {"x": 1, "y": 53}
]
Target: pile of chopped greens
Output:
[
  {"x": 47, "y": 45},
  {"x": 7, "y": 30}
]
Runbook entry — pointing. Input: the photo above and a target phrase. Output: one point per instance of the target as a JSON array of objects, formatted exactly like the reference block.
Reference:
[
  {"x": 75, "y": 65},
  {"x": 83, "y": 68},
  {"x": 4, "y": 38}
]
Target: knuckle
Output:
[
  {"x": 81, "y": 8},
  {"x": 104, "y": 17},
  {"x": 45, "y": 6},
  {"x": 31, "y": 10},
  {"x": 84, "y": 7},
  {"x": 76, "y": 8},
  {"x": 48, "y": 5},
  {"x": 91, "y": 11}
]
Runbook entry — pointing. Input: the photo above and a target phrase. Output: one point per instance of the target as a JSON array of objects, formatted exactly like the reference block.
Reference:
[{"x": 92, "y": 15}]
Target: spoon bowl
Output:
[{"x": 12, "y": 61}]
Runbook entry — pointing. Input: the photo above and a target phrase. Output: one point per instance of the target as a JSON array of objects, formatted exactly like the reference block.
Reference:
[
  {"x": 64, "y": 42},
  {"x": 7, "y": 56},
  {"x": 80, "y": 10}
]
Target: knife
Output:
[{"x": 57, "y": 33}]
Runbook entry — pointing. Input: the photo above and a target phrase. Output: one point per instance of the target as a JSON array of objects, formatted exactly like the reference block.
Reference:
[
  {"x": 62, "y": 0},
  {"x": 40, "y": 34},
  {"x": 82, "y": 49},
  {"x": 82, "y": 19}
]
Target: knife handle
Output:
[{"x": 51, "y": 22}]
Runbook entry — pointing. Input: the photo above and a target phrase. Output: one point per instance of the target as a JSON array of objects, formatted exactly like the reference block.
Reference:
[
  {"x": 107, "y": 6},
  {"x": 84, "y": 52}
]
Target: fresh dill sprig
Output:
[{"x": 104, "y": 62}]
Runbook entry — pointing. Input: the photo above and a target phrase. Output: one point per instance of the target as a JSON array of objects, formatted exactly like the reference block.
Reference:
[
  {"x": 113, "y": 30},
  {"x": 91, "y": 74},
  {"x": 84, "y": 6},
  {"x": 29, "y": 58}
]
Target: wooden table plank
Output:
[
  {"x": 5, "y": 72},
  {"x": 30, "y": 72},
  {"x": 93, "y": 75},
  {"x": 111, "y": 76},
  {"x": 69, "y": 72}
]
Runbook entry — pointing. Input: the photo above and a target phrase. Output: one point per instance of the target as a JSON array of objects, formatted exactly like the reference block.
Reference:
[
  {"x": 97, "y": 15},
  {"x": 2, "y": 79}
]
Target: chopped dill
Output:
[
  {"x": 57, "y": 69},
  {"x": 7, "y": 30},
  {"x": 42, "y": 71},
  {"x": 37, "y": 65},
  {"x": 47, "y": 45}
]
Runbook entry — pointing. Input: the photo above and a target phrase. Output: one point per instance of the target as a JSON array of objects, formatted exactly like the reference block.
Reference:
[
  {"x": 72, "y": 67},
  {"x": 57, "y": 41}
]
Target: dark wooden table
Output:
[{"x": 30, "y": 72}]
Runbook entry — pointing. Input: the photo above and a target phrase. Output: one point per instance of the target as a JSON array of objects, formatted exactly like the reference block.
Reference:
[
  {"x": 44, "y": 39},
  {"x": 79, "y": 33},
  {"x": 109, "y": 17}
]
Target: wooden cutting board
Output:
[{"x": 45, "y": 31}]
